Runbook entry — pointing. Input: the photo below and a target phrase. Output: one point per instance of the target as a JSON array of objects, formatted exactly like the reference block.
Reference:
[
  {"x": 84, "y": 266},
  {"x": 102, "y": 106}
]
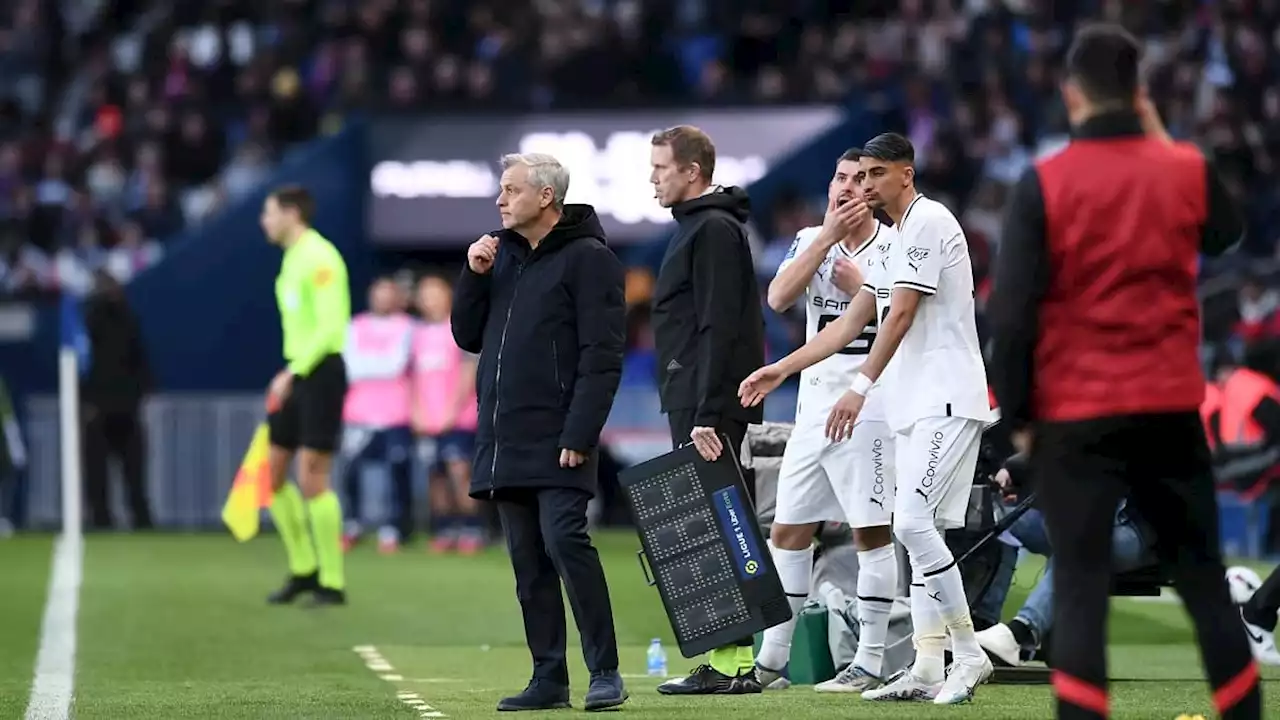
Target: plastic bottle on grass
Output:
[{"x": 657, "y": 659}]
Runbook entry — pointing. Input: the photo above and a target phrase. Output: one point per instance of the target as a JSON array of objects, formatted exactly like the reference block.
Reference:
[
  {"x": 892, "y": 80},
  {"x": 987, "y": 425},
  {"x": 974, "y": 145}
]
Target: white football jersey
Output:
[
  {"x": 823, "y": 383},
  {"x": 938, "y": 369}
]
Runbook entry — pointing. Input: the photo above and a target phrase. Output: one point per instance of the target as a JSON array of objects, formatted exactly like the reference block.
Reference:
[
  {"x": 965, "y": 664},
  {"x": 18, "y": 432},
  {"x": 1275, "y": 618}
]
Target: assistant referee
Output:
[
  {"x": 305, "y": 399},
  {"x": 1096, "y": 333}
]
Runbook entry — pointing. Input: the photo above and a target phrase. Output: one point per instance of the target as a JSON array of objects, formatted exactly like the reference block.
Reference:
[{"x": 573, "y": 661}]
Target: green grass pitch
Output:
[{"x": 174, "y": 626}]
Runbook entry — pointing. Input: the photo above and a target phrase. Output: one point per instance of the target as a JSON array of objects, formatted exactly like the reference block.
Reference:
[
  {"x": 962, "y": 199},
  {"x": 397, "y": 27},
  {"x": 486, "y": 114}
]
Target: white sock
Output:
[
  {"x": 795, "y": 569},
  {"x": 928, "y": 634},
  {"x": 947, "y": 590},
  {"x": 877, "y": 584}
]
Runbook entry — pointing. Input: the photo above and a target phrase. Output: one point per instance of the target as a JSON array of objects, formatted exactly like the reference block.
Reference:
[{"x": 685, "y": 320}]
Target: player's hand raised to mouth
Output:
[{"x": 843, "y": 218}]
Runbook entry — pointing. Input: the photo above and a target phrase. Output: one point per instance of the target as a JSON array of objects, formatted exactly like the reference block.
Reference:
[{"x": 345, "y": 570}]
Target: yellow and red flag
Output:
[{"x": 251, "y": 491}]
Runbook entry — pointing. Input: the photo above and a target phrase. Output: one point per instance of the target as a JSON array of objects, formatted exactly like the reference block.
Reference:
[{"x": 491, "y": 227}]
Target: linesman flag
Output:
[{"x": 251, "y": 491}]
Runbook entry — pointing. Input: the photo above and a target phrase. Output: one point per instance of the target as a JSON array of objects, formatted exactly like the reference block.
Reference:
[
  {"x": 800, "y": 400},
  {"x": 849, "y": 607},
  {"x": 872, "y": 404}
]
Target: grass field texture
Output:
[{"x": 175, "y": 626}]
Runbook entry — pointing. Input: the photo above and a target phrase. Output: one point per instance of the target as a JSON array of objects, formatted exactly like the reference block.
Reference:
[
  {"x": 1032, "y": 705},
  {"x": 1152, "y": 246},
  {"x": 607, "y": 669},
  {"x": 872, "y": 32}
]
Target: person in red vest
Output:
[
  {"x": 1211, "y": 409},
  {"x": 1245, "y": 429},
  {"x": 1095, "y": 361}
]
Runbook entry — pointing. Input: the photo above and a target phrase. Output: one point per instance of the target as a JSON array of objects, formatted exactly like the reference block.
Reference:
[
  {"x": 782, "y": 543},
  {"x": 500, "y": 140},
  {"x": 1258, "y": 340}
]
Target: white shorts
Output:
[
  {"x": 850, "y": 481},
  {"x": 937, "y": 459}
]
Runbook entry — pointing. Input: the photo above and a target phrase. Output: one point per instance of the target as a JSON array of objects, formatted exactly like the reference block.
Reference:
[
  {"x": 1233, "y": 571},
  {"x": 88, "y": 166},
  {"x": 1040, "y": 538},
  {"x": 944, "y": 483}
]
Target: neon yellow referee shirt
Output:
[{"x": 314, "y": 300}]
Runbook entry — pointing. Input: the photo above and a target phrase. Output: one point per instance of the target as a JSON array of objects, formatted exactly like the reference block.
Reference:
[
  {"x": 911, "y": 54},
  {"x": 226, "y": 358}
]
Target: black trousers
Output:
[
  {"x": 110, "y": 434},
  {"x": 681, "y": 424},
  {"x": 547, "y": 539},
  {"x": 1081, "y": 471}
]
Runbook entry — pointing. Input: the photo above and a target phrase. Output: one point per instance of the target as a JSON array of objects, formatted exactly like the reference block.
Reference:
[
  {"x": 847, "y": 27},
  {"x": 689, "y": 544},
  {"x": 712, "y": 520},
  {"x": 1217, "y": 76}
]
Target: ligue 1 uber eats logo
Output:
[{"x": 733, "y": 516}]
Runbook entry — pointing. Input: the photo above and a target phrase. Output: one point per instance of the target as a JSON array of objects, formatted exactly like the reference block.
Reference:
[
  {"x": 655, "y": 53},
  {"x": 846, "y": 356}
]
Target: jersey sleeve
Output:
[
  {"x": 920, "y": 256},
  {"x": 803, "y": 240},
  {"x": 330, "y": 300}
]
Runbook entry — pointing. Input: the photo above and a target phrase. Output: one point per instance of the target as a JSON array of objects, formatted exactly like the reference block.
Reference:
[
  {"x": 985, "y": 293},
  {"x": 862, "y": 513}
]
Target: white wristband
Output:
[{"x": 861, "y": 385}]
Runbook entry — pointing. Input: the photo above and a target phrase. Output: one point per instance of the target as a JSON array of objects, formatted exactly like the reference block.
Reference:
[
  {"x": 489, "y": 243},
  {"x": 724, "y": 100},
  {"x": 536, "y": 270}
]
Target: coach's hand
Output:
[
  {"x": 481, "y": 254},
  {"x": 571, "y": 458},
  {"x": 843, "y": 415},
  {"x": 760, "y": 383},
  {"x": 707, "y": 442}
]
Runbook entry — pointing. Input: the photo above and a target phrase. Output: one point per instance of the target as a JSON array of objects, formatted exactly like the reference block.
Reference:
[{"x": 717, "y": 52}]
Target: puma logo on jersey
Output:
[
  {"x": 915, "y": 256},
  {"x": 824, "y": 267}
]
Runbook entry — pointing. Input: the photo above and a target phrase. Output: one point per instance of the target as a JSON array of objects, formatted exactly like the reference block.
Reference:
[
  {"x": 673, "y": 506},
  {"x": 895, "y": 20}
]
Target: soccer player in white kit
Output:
[
  {"x": 936, "y": 404},
  {"x": 821, "y": 480}
]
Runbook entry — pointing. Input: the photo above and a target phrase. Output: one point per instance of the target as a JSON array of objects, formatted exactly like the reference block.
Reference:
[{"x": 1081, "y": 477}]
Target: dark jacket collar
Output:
[
  {"x": 577, "y": 221},
  {"x": 1117, "y": 124}
]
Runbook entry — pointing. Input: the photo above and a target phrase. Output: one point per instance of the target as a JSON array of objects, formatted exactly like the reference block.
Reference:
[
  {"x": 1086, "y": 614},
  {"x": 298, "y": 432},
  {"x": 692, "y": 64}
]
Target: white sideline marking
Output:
[
  {"x": 379, "y": 665},
  {"x": 54, "y": 684}
]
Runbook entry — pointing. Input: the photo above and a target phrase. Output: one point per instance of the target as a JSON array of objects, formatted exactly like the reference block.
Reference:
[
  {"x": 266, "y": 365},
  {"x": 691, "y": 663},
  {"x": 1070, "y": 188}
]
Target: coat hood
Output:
[{"x": 732, "y": 199}]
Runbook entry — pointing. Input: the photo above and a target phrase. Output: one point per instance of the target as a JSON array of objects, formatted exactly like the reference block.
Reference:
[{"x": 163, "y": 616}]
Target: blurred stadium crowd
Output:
[{"x": 122, "y": 123}]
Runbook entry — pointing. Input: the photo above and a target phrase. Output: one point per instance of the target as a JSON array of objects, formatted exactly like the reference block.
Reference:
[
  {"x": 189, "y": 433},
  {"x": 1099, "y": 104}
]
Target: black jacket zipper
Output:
[
  {"x": 497, "y": 382},
  {"x": 555, "y": 360}
]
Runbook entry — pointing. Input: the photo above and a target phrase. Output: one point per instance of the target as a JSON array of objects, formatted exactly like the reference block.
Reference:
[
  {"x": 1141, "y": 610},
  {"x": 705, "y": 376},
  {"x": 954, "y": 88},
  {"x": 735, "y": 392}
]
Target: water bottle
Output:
[{"x": 657, "y": 659}]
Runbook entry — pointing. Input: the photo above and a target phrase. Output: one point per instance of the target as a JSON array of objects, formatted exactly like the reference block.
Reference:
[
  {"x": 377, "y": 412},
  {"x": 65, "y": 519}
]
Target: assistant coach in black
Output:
[
  {"x": 1096, "y": 330},
  {"x": 708, "y": 332},
  {"x": 542, "y": 303}
]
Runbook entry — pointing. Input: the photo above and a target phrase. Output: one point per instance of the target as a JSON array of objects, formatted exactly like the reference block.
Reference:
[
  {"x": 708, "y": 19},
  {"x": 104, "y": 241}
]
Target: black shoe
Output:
[
  {"x": 706, "y": 680},
  {"x": 538, "y": 695},
  {"x": 606, "y": 691},
  {"x": 325, "y": 597},
  {"x": 293, "y": 587}
]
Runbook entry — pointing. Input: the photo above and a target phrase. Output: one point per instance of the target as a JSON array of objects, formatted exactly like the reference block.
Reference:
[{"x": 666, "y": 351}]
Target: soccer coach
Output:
[
  {"x": 708, "y": 333},
  {"x": 1096, "y": 330},
  {"x": 542, "y": 303}
]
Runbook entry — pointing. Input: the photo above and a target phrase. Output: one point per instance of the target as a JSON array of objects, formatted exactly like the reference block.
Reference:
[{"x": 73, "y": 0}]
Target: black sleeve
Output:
[
  {"x": 1267, "y": 414},
  {"x": 138, "y": 352},
  {"x": 1019, "y": 469},
  {"x": 471, "y": 308},
  {"x": 1021, "y": 274},
  {"x": 720, "y": 253},
  {"x": 1223, "y": 225},
  {"x": 599, "y": 300}
]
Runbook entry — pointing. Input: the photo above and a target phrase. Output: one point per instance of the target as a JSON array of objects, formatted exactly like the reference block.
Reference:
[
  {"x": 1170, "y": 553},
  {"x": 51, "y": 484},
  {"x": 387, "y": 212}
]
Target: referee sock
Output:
[
  {"x": 326, "y": 528},
  {"x": 877, "y": 584},
  {"x": 290, "y": 519},
  {"x": 795, "y": 569}
]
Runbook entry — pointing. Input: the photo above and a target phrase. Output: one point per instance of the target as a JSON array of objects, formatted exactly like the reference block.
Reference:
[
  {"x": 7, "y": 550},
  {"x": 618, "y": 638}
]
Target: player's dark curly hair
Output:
[
  {"x": 853, "y": 153},
  {"x": 890, "y": 147}
]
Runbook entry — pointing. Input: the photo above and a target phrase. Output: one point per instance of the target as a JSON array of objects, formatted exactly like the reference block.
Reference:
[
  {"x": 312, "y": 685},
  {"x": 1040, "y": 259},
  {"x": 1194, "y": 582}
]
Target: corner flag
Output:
[{"x": 251, "y": 490}]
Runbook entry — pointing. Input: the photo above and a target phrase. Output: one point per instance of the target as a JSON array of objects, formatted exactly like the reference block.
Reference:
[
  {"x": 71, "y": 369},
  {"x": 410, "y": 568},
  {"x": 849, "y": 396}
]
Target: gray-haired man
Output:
[{"x": 541, "y": 301}]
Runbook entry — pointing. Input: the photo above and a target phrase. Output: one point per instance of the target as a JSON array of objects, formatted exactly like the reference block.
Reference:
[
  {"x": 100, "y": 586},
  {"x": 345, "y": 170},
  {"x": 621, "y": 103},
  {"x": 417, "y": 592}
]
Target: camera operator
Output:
[{"x": 1012, "y": 642}]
